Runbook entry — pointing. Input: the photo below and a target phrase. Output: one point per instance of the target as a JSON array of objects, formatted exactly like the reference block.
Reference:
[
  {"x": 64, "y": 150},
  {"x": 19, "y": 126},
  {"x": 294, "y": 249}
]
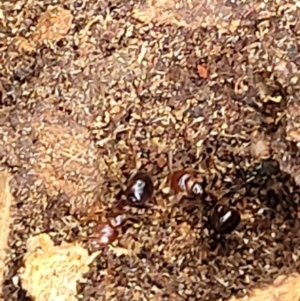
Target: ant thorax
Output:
[{"x": 138, "y": 190}]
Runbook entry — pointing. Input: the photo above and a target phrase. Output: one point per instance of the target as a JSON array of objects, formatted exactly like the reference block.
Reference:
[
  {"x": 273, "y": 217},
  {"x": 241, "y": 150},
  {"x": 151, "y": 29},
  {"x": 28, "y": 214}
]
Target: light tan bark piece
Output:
[{"x": 5, "y": 203}]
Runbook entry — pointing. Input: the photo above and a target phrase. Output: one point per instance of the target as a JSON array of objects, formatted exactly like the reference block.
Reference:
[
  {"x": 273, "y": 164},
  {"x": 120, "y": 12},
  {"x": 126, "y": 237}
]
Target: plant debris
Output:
[
  {"x": 52, "y": 272},
  {"x": 93, "y": 91},
  {"x": 203, "y": 71}
]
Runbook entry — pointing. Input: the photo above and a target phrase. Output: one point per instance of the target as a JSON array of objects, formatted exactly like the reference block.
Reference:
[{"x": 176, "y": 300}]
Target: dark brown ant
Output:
[
  {"x": 138, "y": 189},
  {"x": 224, "y": 219}
]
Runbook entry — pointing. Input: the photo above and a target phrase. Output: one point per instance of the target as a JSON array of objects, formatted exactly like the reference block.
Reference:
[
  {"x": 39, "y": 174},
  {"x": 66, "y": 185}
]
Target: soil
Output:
[{"x": 92, "y": 90}]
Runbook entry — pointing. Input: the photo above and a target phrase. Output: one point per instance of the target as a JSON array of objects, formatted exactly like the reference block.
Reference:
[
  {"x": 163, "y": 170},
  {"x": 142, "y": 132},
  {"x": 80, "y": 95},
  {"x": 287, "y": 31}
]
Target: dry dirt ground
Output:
[{"x": 90, "y": 90}]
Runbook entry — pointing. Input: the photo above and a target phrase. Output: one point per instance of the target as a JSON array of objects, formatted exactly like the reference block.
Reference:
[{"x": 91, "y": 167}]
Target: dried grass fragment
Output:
[
  {"x": 294, "y": 135},
  {"x": 202, "y": 71},
  {"x": 51, "y": 272}
]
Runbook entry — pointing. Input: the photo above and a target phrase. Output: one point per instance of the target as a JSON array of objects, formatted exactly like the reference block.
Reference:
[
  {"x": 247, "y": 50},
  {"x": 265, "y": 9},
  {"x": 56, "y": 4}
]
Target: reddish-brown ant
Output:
[
  {"x": 186, "y": 183},
  {"x": 137, "y": 191},
  {"x": 105, "y": 233}
]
